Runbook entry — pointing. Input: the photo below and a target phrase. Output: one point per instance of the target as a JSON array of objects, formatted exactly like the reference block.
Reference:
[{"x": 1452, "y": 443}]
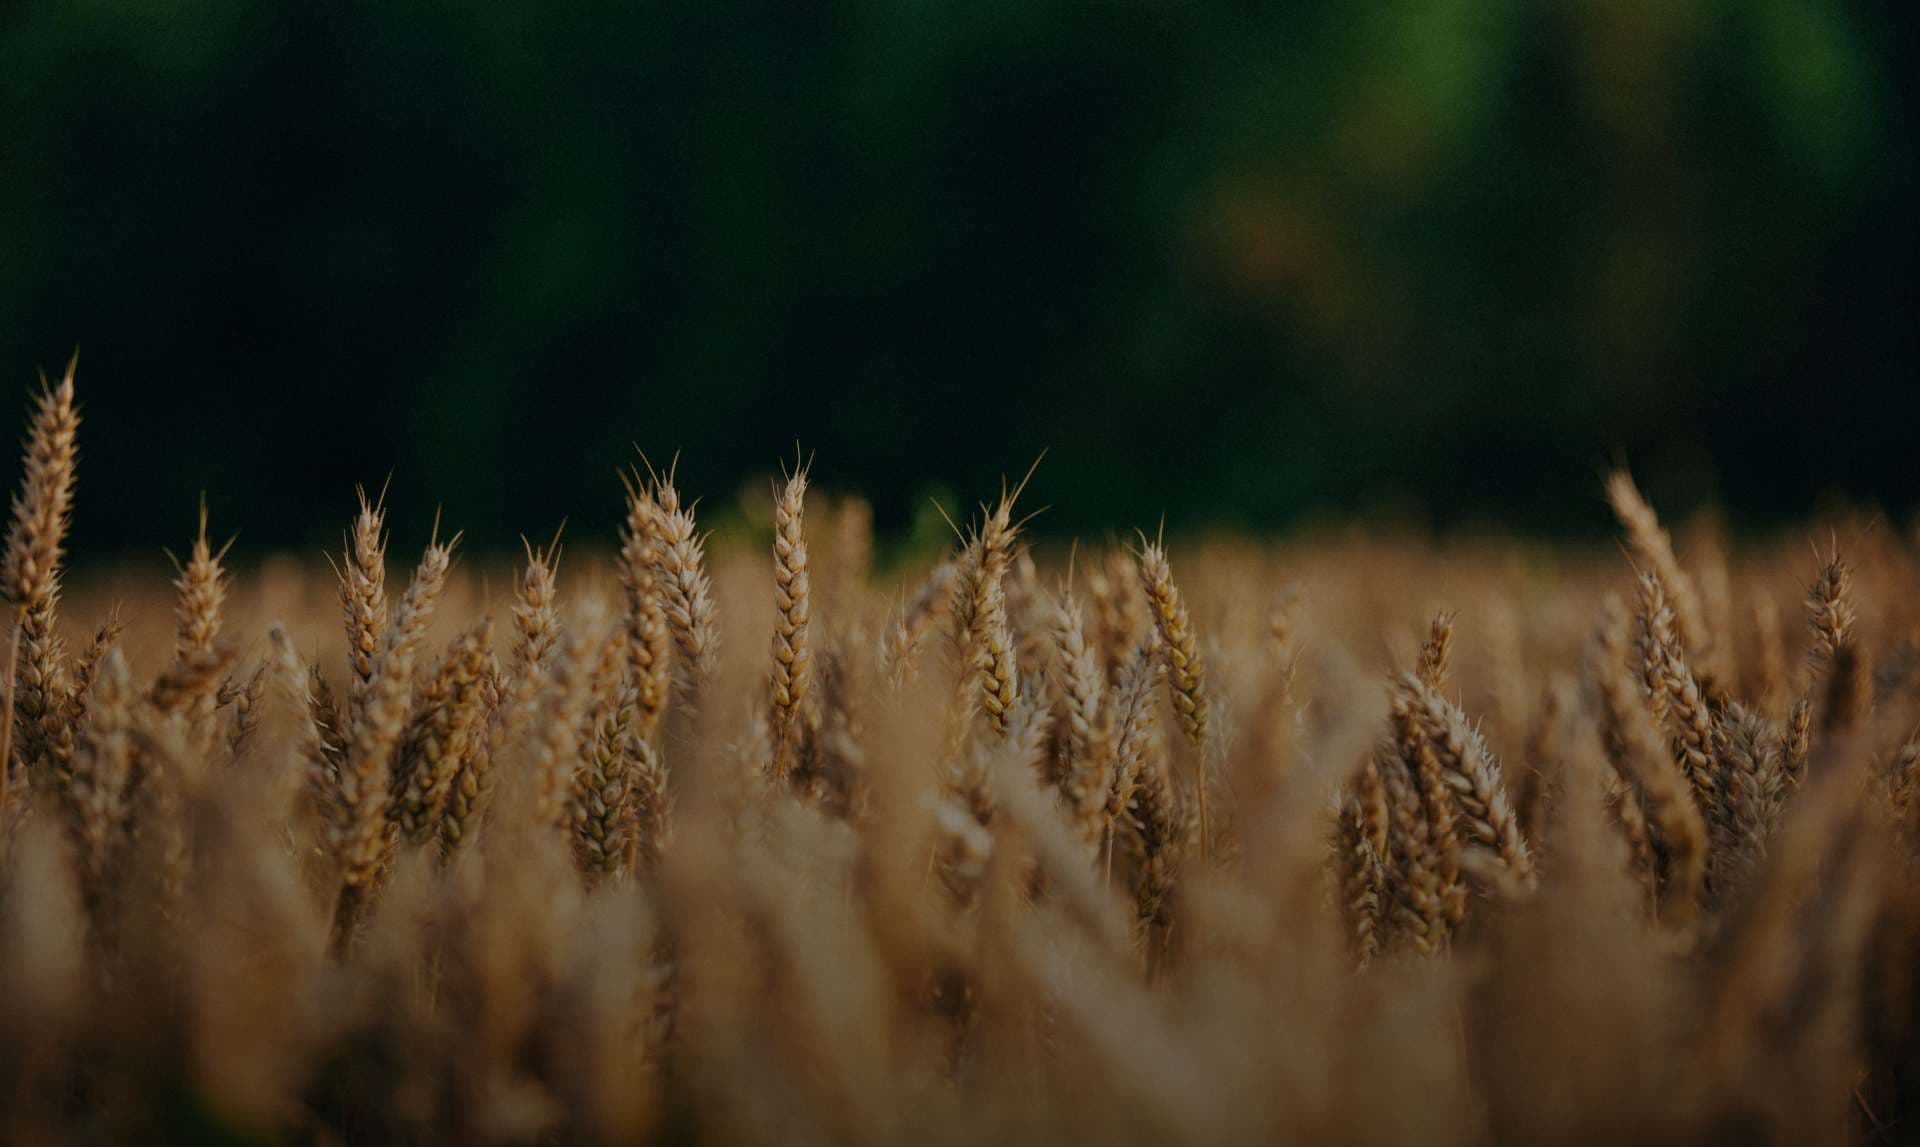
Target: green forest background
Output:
[{"x": 1247, "y": 265}]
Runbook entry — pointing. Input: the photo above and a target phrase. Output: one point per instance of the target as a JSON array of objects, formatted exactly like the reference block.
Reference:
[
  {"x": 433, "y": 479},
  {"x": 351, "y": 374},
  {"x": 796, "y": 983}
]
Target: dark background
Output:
[{"x": 1243, "y": 264}]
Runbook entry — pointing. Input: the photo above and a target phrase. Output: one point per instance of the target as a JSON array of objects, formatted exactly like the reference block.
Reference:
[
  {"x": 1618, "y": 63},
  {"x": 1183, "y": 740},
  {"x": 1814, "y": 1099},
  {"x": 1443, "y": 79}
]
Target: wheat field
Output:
[{"x": 674, "y": 837}]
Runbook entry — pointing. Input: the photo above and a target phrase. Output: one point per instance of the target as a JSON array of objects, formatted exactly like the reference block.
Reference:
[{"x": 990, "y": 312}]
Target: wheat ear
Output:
[
  {"x": 649, "y": 644},
  {"x": 38, "y": 734},
  {"x": 446, "y": 720},
  {"x": 679, "y": 560},
  {"x": 366, "y": 780},
  {"x": 792, "y": 659},
  {"x": 201, "y": 585},
  {"x": 1186, "y": 673},
  {"x": 1654, "y": 548}
]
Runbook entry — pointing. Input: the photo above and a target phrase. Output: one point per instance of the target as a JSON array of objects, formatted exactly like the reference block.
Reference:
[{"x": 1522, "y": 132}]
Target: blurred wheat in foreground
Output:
[{"x": 1359, "y": 842}]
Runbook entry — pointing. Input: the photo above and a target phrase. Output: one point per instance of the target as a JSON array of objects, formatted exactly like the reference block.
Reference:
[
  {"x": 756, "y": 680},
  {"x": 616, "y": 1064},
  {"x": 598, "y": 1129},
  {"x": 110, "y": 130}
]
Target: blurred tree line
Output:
[{"x": 1242, "y": 263}]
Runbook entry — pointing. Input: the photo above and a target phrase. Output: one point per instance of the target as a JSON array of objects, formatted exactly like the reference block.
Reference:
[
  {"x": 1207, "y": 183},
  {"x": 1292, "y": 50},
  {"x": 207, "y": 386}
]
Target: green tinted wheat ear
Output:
[
  {"x": 679, "y": 561},
  {"x": 30, "y": 581},
  {"x": 649, "y": 644},
  {"x": 792, "y": 593}
]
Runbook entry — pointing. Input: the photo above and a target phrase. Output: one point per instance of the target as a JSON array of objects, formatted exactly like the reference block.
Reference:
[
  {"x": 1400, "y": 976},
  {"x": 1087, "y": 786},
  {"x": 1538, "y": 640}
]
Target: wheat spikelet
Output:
[
  {"x": 1642, "y": 755},
  {"x": 984, "y": 630},
  {"x": 601, "y": 799},
  {"x": 1186, "y": 674},
  {"x": 1435, "y": 653},
  {"x": 102, "y": 775},
  {"x": 607, "y": 799},
  {"x": 1077, "y": 685},
  {"x": 330, "y": 733},
  {"x": 1655, "y": 550},
  {"x": 245, "y": 720},
  {"x": 1179, "y": 648},
  {"x": 900, "y": 650},
  {"x": 365, "y": 783},
  {"x": 1420, "y": 912},
  {"x": 649, "y": 644},
  {"x": 1129, "y": 730},
  {"x": 1085, "y": 721},
  {"x": 38, "y": 734},
  {"x": 1471, "y": 772},
  {"x": 363, "y": 593},
  {"x": 506, "y": 696},
  {"x": 201, "y": 583},
  {"x": 536, "y": 623},
  {"x": 471, "y": 783},
  {"x": 1157, "y": 838},
  {"x": 679, "y": 561},
  {"x": 1120, "y": 614},
  {"x": 1676, "y": 699},
  {"x": 446, "y": 720},
  {"x": 1433, "y": 781},
  {"x": 838, "y": 757},
  {"x": 1362, "y": 882},
  {"x": 552, "y": 735},
  {"x": 86, "y": 667},
  {"x": 652, "y": 805},
  {"x": 1836, "y": 652},
  {"x": 792, "y": 659},
  {"x": 185, "y": 681},
  {"x": 1757, "y": 786}
]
